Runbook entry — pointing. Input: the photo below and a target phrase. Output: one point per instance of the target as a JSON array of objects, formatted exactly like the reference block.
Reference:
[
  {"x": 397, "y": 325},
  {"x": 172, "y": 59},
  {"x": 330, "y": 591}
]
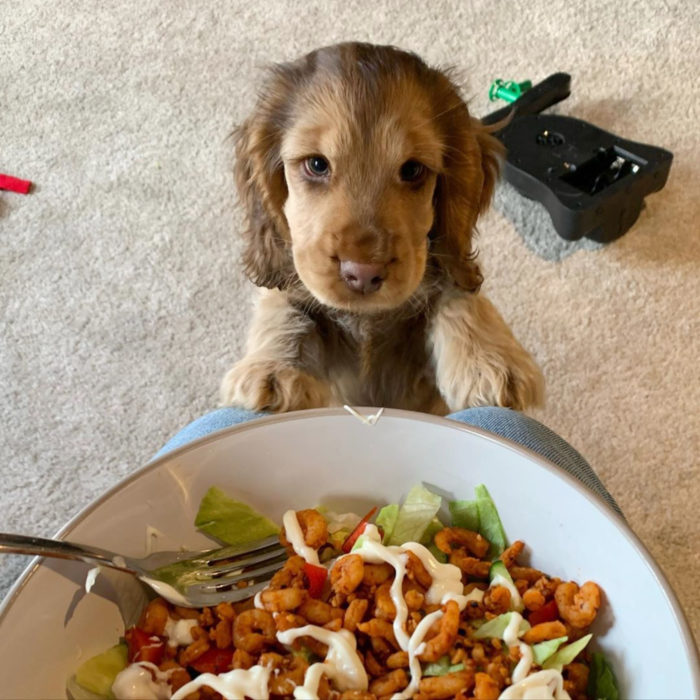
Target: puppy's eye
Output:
[
  {"x": 316, "y": 166},
  {"x": 412, "y": 171}
]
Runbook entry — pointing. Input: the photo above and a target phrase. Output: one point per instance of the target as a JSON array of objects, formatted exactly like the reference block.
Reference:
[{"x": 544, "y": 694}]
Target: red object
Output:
[
  {"x": 14, "y": 184},
  {"x": 143, "y": 646},
  {"x": 547, "y": 613},
  {"x": 213, "y": 661},
  {"x": 352, "y": 537},
  {"x": 316, "y": 576}
]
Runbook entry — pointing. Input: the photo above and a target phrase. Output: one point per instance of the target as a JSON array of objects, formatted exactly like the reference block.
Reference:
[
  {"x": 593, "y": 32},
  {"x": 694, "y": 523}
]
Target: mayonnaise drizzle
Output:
[
  {"x": 416, "y": 647},
  {"x": 233, "y": 685},
  {"x": 543, "y": 685},
  {"x": 295, "y": 537},
  {"x": 342, "y": 664},
  {"x": 136, "y": 682},
  {"x": 511, "y": 636},
  {"x": 516, "y": 602},
  {"x": 179, "y": 632}
]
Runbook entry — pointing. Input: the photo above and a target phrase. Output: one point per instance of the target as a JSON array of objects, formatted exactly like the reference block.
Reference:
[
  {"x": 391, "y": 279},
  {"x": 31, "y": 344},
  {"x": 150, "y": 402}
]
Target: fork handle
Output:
[{"x": 39, "y": 546}]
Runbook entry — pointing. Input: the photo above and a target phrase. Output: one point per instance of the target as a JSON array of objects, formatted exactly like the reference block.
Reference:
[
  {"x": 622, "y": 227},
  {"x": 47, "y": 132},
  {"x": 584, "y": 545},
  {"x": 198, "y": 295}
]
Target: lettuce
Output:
[
  {"x": 441, "y": 667},
  {"x": 490, "y": 525},
  {"x": 542, "y": 651},
  {"x": 231, "y": 522},
  {"x": 386, "y": 520},
  {"x": 415, "y": 515},
  {"x": 601, "y": 679},
  {"x": 566, "y": 654},
  {"x": 497, "y": 626},
  {"x": 465, "y": 514}
]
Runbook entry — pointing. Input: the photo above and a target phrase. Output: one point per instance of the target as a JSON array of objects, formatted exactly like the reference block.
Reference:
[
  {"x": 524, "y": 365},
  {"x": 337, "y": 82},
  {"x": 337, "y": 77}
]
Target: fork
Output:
[{"x": 189, "y": 579}]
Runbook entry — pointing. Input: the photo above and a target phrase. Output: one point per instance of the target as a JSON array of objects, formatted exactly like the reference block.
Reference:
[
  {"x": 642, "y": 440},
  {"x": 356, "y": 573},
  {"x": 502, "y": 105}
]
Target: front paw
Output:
[
  {"x": 511, "y": 380},
  {"x": 272, "y": 386}
]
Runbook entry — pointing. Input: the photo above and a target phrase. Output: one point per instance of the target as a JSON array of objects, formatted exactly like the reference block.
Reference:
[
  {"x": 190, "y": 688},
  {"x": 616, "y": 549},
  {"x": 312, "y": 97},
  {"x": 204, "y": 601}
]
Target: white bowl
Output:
[{"x": 48, "y": 625}]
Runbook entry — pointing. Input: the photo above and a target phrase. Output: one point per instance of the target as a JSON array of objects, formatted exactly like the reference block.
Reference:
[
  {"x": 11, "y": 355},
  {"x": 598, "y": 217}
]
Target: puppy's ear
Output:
[
  {"x": 464, "y": 189},
  {"x": 262, "y": 189}
]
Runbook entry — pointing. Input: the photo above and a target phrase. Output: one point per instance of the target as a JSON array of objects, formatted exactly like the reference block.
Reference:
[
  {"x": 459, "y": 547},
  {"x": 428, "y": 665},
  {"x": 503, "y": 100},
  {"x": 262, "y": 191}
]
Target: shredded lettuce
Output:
[
  {"x": 419, "y": 508},
  {"x": 231, "y": 521},
  {"x": 386, "y": 520},
  {"x": 97, "y": 674},
  {"x": 602, "y": 684},
  {"x": 542, "y": 651},
  {"x": 566, "y": 654},
  {"x": 497, "y": 626},
  {"x": 490, "y": 525},
  {"x": 441, "y": 667},
  {"x": 465, "y": 514}
]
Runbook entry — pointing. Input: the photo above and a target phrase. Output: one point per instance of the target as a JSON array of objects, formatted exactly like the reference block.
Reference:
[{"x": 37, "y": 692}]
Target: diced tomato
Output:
[
  {"x": 143, "y": 646},
  {"x": 547, "y": 613},
  {"x": 352, "y": 537},
  {"x": 316, "y": 576},
  {"x": 213, "y": 661}
]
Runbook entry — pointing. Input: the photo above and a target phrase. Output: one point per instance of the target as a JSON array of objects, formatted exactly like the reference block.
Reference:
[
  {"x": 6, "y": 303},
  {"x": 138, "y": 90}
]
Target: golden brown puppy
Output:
[{"x": 363, "y": 175}]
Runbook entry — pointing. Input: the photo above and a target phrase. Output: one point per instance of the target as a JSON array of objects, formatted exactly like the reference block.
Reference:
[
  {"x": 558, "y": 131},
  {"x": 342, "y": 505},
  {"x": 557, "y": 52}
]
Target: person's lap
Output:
[{"x": 509, "y": 424}]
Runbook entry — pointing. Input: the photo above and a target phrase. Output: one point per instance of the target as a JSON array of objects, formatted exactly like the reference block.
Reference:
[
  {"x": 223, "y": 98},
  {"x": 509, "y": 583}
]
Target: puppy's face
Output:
[
  {"x": 361, "y": 179},
  {"x": 354, "y": 155}
]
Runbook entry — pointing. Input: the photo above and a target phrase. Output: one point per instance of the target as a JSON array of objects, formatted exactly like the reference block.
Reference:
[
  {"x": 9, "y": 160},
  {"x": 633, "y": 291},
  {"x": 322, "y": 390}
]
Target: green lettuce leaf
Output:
[
  {"x": 542, "y": 651},
  {"x": 602, "y": 684},
  {"x": 419, "y": 508},
  {"x": 497, "y": 626},
  {"x": 97, "y": 674},
  {"x": 441, "y": 667},
  {"x": 230, "y": 521},
  {"x": 490, "y": 525},
  {"x": 465, "y": 514},
  {"x": 566, "y": 654},
  {"x": 386, "y": 520}
]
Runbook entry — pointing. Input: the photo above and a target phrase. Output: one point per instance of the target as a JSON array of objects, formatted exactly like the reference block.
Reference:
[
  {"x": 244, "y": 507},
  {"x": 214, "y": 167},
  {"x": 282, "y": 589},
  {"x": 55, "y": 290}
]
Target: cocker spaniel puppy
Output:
[{"x": 363, "y": 174}]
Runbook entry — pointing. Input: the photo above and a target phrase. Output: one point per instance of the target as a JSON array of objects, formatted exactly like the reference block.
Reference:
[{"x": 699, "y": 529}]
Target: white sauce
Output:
[
  {"x": 295, "y": 537},
  {"x": 415, "y": 648},
  {"x": 165, "y": 590},
  {"x": 447, "y": 578},
  {"x": 91, "y": 578},
  {"x": 312, "y": 679},
  {"x": 475, "y": 594},
  {"x": 342, "y": 664},
  {"x": 136, "y": 682},
  {"x": 516, "y": 602},
  {"x": 511, "y": 636},
  {"x": 179, "y": 632},
  {"x": 233, "y": 685},
  {"x": 543, "y": 685}
]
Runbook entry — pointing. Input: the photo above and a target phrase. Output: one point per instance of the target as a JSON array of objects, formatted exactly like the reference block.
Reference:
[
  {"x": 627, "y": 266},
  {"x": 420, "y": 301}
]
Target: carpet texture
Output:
[{"x": 122, "y": 302}]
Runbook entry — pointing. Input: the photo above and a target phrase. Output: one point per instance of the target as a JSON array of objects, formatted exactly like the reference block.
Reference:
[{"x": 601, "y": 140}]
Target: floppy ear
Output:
[
  {"x": 262, "y": 189},
  {"x": 464, "y": 189}
]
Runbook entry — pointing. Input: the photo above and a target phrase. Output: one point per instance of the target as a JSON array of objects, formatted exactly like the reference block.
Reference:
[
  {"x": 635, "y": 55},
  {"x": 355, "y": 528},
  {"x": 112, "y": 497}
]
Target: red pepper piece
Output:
[
  {"x": 213, "y": 661},
  {"x": 547, "y": 613},
  {"x": 316, "y": 576},
  {"x": 352, "y": 537},
  {"x": 14, "y": 184},
  {"x": 143, "y": 646}
]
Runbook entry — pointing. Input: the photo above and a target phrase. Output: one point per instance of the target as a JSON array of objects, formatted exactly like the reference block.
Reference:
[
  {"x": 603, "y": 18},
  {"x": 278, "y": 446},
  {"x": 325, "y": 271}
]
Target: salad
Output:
[{"x": 396, "y": 604}]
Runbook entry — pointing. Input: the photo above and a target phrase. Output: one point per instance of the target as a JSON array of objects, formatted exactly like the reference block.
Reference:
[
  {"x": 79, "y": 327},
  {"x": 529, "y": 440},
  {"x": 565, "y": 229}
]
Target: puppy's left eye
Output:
[
  {"x": 412, "y": 171},
  {"x": 316, "y": 166}
]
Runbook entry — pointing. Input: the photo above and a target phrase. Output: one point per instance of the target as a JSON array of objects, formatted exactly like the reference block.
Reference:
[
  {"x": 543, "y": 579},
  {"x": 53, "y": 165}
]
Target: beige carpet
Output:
[{"x": 121, "y": 302}]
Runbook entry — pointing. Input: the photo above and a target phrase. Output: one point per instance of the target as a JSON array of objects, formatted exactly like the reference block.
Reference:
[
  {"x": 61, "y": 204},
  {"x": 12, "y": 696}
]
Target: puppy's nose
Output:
[{"x": 364, "y": 278}]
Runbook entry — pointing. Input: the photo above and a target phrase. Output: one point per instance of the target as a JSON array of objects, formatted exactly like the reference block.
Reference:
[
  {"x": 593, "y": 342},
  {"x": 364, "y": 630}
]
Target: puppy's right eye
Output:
[{"x": 316, "y": 166}]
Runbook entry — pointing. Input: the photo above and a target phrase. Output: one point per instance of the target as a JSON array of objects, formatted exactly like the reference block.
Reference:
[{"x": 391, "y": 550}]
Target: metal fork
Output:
[{"x": 189, "y": 579}]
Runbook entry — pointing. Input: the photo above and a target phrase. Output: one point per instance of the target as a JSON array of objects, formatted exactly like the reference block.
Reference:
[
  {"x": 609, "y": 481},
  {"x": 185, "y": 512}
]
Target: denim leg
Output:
[
  {"x": 208, "y": 423},
  {"x": 530, "y": 433}
]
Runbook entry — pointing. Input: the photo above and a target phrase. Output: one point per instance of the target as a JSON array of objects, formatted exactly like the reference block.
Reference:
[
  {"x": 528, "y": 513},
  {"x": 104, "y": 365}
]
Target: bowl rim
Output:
[{"x": 684, "y": 627}]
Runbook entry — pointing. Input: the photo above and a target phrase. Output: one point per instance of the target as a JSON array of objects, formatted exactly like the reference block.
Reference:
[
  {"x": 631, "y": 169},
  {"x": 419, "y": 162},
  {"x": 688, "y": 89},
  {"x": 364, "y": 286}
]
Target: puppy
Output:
[{"x": 362, "y": 174}]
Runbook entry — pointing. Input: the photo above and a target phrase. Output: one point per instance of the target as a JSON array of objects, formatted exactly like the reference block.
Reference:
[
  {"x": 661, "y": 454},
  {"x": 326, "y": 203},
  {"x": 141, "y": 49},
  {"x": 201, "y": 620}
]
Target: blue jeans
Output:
[{"x": 501, "y": 421}]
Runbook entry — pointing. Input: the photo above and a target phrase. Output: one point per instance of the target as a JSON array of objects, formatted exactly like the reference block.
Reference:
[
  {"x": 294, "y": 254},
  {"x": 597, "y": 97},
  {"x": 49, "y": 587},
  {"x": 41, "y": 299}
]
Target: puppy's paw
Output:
[
  {"x": 478, "y": 362},
  {"x": 271, "y": 386}
]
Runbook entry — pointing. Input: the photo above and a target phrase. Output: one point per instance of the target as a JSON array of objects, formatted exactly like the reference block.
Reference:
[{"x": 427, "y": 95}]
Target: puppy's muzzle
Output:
[{"x": 363, "y": 278}]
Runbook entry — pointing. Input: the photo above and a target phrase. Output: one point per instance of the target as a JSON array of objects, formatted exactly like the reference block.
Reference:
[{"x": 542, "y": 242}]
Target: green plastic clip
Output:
[{"x": 508, "y": 90}]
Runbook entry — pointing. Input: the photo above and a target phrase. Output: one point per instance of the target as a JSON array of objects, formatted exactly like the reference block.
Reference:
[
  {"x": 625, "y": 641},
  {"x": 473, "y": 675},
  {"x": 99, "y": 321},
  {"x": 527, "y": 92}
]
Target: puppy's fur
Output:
[{"x": 425, "y": 340}]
